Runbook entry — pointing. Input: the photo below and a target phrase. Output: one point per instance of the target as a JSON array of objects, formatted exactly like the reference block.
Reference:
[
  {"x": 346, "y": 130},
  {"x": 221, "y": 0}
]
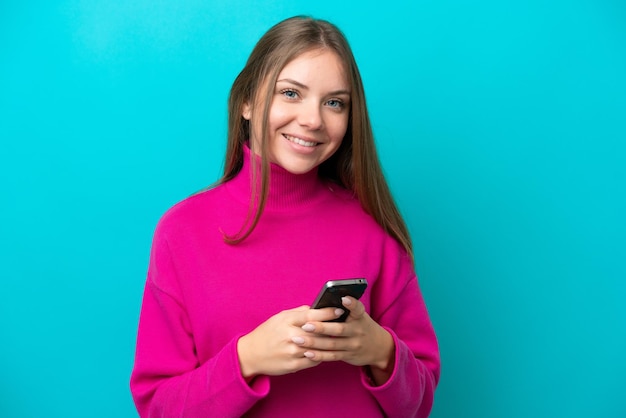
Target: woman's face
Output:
[{"x": 309, "y": 112}]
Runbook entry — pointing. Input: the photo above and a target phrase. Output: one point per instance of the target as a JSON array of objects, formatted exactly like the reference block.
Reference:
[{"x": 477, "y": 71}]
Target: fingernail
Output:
[
  {"x": 339, "y": 312},
  {"x": 346, "y": 301},
  {"x": 308, "y": 354},
  {"x": 297, "y": 340},
  {"x": 308, "y": 327}
]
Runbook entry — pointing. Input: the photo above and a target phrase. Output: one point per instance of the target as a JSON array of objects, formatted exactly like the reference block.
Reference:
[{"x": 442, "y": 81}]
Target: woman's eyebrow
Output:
[
  {"x": 292, "y": 81},
  {"x": 305, "y": 87}
]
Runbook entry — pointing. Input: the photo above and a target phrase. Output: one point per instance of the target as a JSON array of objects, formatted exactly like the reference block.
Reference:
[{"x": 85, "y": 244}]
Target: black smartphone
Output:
[{"x": 332, "y": 292}]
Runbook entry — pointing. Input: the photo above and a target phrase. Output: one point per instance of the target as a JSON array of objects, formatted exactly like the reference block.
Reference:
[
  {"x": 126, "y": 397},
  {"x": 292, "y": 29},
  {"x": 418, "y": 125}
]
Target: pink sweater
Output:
[{"x": 202, "y": 294}]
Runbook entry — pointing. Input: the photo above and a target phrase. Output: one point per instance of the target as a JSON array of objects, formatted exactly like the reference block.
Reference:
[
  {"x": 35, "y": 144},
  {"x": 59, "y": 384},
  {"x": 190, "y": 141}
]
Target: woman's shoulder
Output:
[
  {"x": 347, "y": 203},
  {"x": 194, "y": 207}
]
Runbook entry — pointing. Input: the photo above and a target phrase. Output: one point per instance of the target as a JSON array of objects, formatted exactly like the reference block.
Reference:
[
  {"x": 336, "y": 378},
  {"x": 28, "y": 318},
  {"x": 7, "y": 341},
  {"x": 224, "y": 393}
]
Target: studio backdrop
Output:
[{"x": 500, "y": 125}]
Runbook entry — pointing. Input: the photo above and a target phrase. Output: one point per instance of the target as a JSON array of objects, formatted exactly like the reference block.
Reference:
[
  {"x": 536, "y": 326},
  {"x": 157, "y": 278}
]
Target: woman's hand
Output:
[
  {"x": 359, "y": 341},
  {"x": 272, "y": 348}
]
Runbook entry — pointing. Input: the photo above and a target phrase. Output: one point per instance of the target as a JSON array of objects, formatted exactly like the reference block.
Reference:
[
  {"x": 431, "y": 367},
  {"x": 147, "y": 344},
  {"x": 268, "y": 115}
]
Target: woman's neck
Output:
[{"x": 287, "y": 191}]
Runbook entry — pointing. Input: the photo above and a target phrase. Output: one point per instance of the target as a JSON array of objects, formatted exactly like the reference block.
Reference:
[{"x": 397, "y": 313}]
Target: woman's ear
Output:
[{"x": 246, "y": 111}]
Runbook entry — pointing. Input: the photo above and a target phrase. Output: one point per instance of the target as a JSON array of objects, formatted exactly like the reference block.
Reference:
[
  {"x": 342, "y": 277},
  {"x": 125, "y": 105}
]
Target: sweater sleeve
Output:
[
  {"x": 168, "y": 379},
  {"x": 399, "y": 307}
]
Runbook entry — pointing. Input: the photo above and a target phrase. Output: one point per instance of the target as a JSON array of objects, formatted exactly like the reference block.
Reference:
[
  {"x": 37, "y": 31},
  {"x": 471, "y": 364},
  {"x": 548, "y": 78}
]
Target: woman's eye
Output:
[
  {"x": 290, "y": 94},
  {"x": 337, "y": 104}
]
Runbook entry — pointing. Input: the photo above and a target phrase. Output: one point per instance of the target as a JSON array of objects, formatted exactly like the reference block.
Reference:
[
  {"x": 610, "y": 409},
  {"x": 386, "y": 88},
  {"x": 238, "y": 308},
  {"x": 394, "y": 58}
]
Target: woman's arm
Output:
[
  {"x": 168, "y": 380},
  {"x": 396, "y": 344}
]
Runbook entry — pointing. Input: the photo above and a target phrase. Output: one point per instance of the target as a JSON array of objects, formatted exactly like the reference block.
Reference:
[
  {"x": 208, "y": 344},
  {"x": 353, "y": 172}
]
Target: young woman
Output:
[{"x": 226, "y": 329}]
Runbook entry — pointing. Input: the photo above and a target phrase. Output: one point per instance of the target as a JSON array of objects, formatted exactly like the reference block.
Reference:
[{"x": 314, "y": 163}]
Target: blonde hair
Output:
[{"x": 354, "y": 166}]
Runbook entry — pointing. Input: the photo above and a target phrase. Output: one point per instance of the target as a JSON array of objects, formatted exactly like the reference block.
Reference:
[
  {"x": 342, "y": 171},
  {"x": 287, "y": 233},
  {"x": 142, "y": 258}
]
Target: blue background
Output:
[{"x": 501, "y": 126}]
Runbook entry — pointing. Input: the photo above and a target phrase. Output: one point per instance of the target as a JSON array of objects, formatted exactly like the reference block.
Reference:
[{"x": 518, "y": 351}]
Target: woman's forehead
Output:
[{"x": 317, "y": 68}]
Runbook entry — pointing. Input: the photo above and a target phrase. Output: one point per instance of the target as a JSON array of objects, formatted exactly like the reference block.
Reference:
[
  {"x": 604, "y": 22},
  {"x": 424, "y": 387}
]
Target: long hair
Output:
[{"x": 354, "y": 166}]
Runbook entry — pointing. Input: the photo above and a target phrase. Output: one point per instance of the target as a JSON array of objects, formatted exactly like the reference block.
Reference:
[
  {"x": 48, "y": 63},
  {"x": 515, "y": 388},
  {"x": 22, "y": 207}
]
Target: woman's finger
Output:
[{"x": 356, "y": 308}]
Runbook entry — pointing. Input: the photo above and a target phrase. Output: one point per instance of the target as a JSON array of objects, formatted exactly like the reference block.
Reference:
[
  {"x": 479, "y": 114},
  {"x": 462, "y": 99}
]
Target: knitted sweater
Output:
[{"x": 202, "y": 295}]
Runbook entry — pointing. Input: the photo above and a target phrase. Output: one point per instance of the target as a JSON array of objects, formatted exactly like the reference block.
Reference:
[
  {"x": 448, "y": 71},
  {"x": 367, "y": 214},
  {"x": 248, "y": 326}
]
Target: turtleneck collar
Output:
[{"x": 287, "y": 191}]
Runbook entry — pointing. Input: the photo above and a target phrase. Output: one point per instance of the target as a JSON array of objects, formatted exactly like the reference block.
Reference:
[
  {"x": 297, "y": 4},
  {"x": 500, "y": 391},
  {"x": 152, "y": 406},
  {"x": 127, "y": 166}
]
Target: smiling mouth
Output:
[{"x": 299, "y": 141}]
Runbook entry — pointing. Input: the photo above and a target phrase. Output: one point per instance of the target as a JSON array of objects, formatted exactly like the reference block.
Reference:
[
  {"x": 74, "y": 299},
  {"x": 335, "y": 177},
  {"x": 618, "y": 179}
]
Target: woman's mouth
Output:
[{"x": 300, "y": 141}]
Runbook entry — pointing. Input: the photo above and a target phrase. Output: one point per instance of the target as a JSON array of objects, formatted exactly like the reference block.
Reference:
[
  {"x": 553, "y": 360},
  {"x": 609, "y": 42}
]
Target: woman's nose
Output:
[{"x": 310, "y": 116}]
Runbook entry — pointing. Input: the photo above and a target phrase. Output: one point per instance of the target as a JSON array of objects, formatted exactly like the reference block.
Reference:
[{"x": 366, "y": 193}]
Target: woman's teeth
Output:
[{"x": 300, "y": 141}]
